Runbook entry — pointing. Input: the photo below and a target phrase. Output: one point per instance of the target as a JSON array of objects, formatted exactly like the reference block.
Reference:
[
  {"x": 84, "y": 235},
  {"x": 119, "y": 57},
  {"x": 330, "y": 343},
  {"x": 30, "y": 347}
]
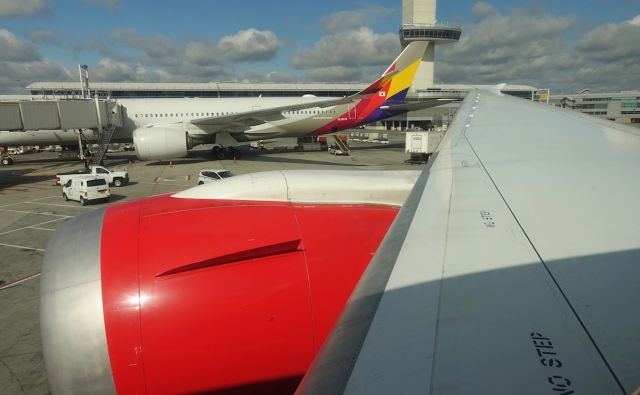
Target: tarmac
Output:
[{"x": 31, "y": 208}]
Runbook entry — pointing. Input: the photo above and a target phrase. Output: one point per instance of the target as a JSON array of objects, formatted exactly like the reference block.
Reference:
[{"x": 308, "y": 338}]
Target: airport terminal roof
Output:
[
  {"x": 203, "y": 86},
  {"x": 234, "y": 86},
  {"x": 244, "y": 89}
]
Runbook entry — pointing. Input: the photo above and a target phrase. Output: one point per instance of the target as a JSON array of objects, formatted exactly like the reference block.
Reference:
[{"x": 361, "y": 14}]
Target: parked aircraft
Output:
[
  {"x": 168, "y": 128},
  {"x": 510, "y": 268}
]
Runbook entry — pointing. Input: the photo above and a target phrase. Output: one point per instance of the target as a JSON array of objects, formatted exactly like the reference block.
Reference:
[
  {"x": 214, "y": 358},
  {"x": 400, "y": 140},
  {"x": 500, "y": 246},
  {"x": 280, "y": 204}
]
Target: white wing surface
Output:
[{"x": 512, "y": 267}]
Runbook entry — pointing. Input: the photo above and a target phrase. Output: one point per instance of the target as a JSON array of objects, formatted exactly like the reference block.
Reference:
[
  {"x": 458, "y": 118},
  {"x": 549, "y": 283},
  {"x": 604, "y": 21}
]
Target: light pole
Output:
[{"x": 83, "y": 70}]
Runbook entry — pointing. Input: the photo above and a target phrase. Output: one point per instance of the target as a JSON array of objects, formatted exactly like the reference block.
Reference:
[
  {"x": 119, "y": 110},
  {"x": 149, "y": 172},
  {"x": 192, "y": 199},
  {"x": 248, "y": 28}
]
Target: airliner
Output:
[
  {"x": 169, "y": 128},
  {"x": 508, "y": 265}
]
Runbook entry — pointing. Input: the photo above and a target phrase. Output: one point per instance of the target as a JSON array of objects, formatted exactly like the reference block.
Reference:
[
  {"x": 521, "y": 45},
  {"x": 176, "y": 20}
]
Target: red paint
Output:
[
  {"x": 119, "y": 260},
  {"x": 362, "y": 109},
  {"x": 264, "y": 282}
]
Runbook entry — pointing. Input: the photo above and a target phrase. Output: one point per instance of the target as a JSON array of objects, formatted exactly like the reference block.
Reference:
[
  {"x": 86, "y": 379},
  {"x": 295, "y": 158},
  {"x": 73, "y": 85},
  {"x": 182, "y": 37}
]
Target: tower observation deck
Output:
[{"x": 419, "y": 24}]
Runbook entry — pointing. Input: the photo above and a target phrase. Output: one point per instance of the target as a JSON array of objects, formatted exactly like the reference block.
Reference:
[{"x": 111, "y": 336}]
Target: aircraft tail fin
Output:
[{"x": 397, "y": 79}]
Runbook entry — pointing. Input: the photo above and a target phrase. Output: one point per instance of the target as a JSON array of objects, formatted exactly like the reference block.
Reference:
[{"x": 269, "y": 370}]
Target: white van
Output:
[
  {"x": 211, "y": 175},
  {"x": 86, "y": 189}
]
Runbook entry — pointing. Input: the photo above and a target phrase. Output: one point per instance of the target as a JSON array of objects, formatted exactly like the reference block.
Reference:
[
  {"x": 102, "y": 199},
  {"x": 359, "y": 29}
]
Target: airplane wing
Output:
[
  {"x": 244, "y": 120},
  {"x": 512, "y": 267},
  {"x": 415, "y": 106},
  {"x": 395, "y": 81}
]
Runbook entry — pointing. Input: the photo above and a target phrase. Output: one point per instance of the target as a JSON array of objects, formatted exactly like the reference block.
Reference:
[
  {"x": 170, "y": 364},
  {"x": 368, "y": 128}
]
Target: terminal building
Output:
[
  {"x": 622, "y": 107},
  {"x": 425, "y": 118}
]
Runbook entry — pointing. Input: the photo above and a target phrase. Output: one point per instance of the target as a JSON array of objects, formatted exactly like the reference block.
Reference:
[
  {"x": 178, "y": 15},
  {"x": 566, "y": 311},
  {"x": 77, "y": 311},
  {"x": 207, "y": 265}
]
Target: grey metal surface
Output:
[
  {"x": 57, "y": 114},
  {"x": 312, "y": 186},
  {"x": 39, "y": 115},
  {"x": 332, "y": 368},
  {"x": 517, "y": 272},
  {"x": 75, "y": 114},
  {"x": 71, "y": 312},
  {"x": 10, "y": 116}
]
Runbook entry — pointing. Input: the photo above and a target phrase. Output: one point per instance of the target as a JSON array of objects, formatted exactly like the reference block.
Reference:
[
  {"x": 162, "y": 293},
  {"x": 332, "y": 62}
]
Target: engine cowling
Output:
[
  {"x": 161, "y": 143},
  {"x": 226, "y": 288}
]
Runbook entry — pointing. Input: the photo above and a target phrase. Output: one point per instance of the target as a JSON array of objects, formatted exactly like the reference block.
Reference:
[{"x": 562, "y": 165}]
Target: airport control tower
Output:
[{"x": 419, "y": 24}]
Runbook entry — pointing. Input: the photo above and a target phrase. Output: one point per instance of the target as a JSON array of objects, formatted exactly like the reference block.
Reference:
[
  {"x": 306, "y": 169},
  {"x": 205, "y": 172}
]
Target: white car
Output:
[
  {"x": 86, "y": 188},
  {"x": 211, "y": 175},
  {"x": 116, "y": 177}
]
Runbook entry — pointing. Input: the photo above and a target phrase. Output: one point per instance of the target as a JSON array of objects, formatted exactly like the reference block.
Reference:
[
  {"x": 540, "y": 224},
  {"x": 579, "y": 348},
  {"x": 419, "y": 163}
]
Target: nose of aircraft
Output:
[{"x": 71, "y": 310}]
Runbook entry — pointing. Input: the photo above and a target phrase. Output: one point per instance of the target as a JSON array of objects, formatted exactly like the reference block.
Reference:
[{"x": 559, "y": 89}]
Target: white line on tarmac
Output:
[
  {"x": 50, "y": 230},
  {"x": 21, "y": 247},
  {"x": 33, "y": 212},
  {"x": 30, "y": 226},
  {"x": 42, "y": 198},
  {"x": 19, "y": 281},
  {"x": 55, "y": 204},
  {"x": 167, "y": 183}
]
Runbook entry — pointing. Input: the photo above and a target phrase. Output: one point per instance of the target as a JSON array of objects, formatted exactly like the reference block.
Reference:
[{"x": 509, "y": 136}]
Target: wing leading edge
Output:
[{"x": 510, "y": 269}]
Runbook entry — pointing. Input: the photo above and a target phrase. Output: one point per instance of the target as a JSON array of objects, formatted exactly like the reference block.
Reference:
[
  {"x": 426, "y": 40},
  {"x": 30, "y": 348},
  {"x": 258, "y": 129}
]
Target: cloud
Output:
[
  {"x": 15, "y": 50},
  {"x": 110, "y": 70},
  {"x": 354, "y": 19},
  {"x": 22, "y": 8},
  {"x": 483, "y": 10},
  {"x": 613, "y": 42},
  {"x": 15, "y": 75},
  {"x": 354, "y": 48},
  {"x": 351, "y": 50},
  {"x": 44, "y": 36},
  {"x": 277, "y": 76},
  {"x": 246, "y": 46},
  {"x": 335, "y": 74},
  {"x": 111, "y": 4},
  {"x": 202, "y": 53},
  {"x": 249, "y": 45},
  {"x": 156, "y": 49},
  {"x": 157, "y": 58},
  {"x": 540, "y": 50}
]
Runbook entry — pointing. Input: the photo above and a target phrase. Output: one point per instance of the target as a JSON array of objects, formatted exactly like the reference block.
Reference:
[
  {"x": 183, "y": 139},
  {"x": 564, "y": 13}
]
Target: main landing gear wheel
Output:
[
  {"x": 233, "y": 153},
  {"x": 221, "y": 153},
  {"x": 218, "y": 152}
]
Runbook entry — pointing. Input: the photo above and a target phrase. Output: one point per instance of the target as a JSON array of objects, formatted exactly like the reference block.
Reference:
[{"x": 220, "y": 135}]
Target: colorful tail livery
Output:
[{"x": 379, "y": 98}]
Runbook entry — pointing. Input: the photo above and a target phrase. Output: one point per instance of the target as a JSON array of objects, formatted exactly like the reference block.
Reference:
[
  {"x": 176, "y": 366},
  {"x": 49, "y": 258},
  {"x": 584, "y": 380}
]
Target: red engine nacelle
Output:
[{"x": 205, "y": 295}]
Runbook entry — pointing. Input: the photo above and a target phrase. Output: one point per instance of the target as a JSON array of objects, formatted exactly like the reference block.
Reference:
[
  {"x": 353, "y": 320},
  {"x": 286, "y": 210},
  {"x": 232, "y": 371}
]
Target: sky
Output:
[{"x": 566, "y": 45}]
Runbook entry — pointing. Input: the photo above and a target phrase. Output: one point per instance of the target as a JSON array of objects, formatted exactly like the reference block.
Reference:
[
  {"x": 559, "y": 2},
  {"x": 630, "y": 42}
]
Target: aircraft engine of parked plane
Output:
[
  {"x": 228, "y": 288},
  {"x": 161, "y": 143}
]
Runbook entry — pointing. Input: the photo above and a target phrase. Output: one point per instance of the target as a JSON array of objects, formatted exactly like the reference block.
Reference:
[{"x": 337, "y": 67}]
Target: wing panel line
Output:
[{"x": 544, "y": 264}]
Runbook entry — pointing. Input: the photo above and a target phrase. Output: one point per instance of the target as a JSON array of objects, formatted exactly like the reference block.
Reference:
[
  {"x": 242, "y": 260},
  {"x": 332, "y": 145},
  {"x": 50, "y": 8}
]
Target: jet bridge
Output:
[
  {"x": 59, "y": 114},
  {"x": 101, "y": 115}
]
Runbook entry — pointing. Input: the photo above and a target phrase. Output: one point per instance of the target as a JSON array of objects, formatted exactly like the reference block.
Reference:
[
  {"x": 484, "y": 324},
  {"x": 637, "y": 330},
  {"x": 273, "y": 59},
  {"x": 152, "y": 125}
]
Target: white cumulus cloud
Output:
[{"x": 22, "y": 8}]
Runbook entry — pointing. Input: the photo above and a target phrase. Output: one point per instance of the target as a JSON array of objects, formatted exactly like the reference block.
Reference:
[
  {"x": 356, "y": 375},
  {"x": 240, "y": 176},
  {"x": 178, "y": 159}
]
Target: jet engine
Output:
[
  {"x": 225, "y": 288},
  {"x": 161, "y": 143}
]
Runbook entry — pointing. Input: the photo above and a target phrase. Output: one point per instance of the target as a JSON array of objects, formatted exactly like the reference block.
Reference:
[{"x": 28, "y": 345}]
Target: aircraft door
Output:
[{"x": 352, "y": 113}]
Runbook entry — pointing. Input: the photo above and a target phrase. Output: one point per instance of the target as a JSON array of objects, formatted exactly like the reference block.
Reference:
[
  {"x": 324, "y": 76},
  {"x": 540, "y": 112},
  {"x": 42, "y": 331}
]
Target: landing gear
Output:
[
  {"x": 221, "y": 153},
  {"x": 218, "y": 153},
  {"x": 233, "y": 153}
]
